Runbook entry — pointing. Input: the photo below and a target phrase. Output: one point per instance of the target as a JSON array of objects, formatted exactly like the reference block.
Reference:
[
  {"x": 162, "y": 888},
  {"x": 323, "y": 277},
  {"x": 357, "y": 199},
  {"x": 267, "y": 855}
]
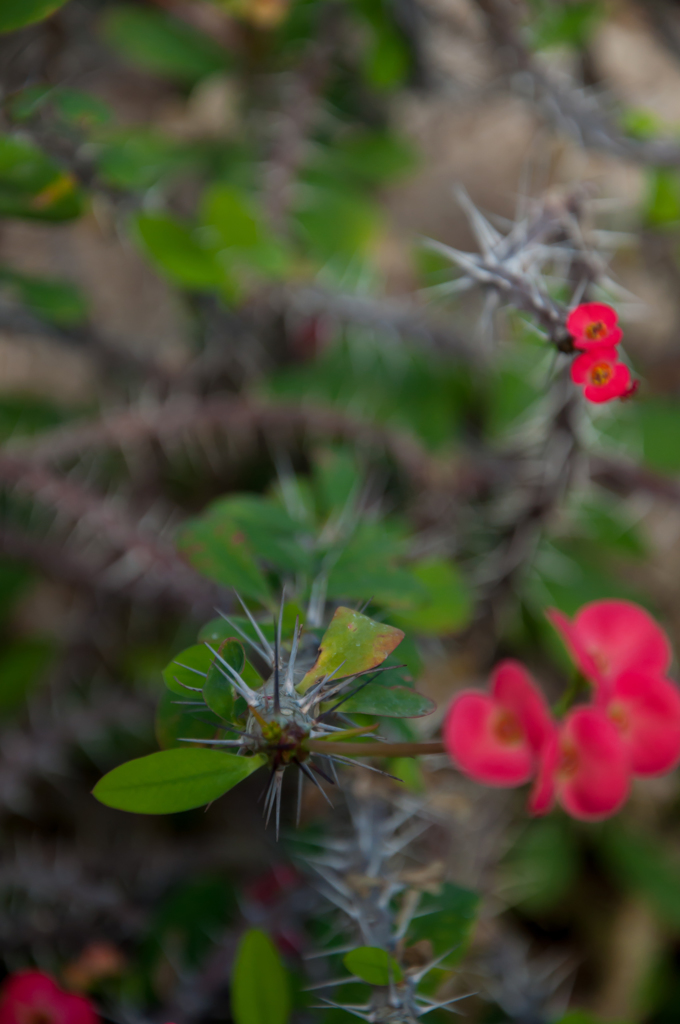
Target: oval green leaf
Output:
[
  {"x": 389, "y": 701},
  {"x": 448, "y": 604},
  {"x": 173, "y": 780},
  {"x": 177, "y": 720},
  {"x": 352, "y": 643},
  {"x": 188, "y": 670},
  {"x": 220, "y": 550},
  {"x": 16, "y": 14},
  {"x": 260, "y": 990},
  {"x": 372, "y": 964},
  {"x": 218, "y": 692}
]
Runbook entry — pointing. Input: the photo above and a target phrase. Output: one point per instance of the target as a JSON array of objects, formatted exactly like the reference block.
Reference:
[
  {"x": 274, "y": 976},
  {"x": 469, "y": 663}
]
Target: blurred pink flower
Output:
[
  {"x": 496, "y": 738},
  {"x": 609, "y": 637},
  {"x": 584, "y": 766},
  {"x": 602, "y": 375},
  {"x": 646, "y": 711},
  {"x": 31, "y": 997},
  {"x": 593, "y": 324}
]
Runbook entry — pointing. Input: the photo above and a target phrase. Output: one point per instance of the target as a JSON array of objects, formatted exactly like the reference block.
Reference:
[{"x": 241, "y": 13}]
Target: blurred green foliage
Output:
[
  {"x": 568, "y": 23},
  {"x": 260, "y": 992},
  {"x": 162, "y": 45},
  {"x": 15, "y": 14}
]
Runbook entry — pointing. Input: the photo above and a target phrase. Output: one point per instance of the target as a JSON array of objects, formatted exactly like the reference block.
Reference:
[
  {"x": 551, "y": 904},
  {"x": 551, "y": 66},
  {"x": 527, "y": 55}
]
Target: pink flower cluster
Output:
[
  {"x": 586, "y": 760},
  {"x": 598, "y": 370},
  {"x": 31, "y": 997}
]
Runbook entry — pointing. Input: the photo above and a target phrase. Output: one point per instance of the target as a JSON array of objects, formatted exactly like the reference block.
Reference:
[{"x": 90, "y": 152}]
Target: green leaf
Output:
[
  {"x": 22, "y": 663},
  {"x": 660, "y": 425},
  {"x": 80, "y": 108},
  {"x": 543, "y": 865},
  {"x": 189, "y": 668},
  {"x": 582, "y": 1017},
  {"x": 662, "y": 201},
  {"x": 173, "y": 780},
  {"x": 218, "y": 691},
  {"x": 16, "y": 14},
  {"x": 373, "y": 965},
  {"x": 448, "y": 605},
  {"x": 367, "y": 564},
  {"x": 161, "y": 44},
  {"x": 137, "y": 159},
  {"x": 354, "y": 642},
  {"x": 374, "y": 157},
  {"x": 387, "y": 62},
  {"x": 32, "y": 185},
  {"x": 220, "y": 550},
  {"x": 26, "y": 103},
  {"x": 409, "y": 771},
  {"x": 58, "y": 302},
  {"x": 177, "y": 252},
  {"x": 260, "y": 989},
  {"x": 564, "y": 24},
  {"x": 447, "y": 920},
  {"x": 334, "y": 223},
  {"x": 177, "y": 721},
  {"x": 336, "y": 480},
  {"x": 228, "y": 211},
  {"x": 273, "y": 535},
  {"x": 389, "y": 701},
  {"x": 641, "y": 863}
]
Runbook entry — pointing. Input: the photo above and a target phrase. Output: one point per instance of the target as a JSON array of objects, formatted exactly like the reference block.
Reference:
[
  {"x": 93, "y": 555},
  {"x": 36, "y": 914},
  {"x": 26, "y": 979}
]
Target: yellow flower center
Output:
[
  {"x": 569, "y": 759},
  {"x": 507, "y": 727},
  {"x": 601, "y": 374},
  {"x": 595, "y": 330}
]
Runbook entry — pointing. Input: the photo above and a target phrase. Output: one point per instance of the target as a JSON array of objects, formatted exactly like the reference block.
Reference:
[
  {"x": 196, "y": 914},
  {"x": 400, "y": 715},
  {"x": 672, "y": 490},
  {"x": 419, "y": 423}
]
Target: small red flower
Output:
[
  {"x": 593, "y": 324},
  {"x": 602, "y": 375},
  {"x": 495, "y": 739},
  {"x": 31, "y": 997},
  {"x": 646, "y": 711},
  {"x": 609, "y": 637},
  {"x": 584, "y": 766}
]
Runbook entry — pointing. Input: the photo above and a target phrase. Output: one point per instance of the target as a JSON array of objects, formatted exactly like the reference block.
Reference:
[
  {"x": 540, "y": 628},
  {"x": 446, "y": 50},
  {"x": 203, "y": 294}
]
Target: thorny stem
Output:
[{"x": 376, "y": 749}]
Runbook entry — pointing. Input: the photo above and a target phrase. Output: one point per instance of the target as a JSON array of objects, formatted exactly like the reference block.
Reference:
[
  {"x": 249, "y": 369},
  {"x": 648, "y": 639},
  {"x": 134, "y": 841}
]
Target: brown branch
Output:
[
  {"x": 117, "y": 356},
  {"x": 376, "y": 749},
  {"x": 236, "y": 417},
  {"x": 580, "y": 114},
  {"x": 402, "y": 318},
  {"x": 624, "y": 478},
  {"x": 152, "y": 564}
]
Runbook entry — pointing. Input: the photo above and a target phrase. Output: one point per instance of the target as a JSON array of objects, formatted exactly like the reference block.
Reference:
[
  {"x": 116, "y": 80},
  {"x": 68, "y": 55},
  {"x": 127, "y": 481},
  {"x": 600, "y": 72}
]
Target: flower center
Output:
[
  {"x": 619, "y": 717},
  {"x": 601, "y": 374},
  {"x": 507, "y": 727},
  {"x": 595, "y": 330},
  {"x": 568, "y": 759},
  {"x": 35, "y": 1015}
]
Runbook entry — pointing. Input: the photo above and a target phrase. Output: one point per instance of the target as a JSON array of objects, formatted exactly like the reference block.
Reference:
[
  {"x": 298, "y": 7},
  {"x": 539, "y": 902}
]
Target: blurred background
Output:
[{"x": 215, "y": 279}]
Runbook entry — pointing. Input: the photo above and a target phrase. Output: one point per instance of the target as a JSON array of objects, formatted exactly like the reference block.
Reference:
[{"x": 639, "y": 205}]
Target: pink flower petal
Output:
[
  {"x": 542, "y": 796},
  {"x": 589, "y": 315},
  {"x": 514, "y": 689},
  {"x": 575, "y": 645},
  {"x": 609, "y": 637},
  {"x": 593, "y": 778},
  {"x": 29, "y": 994},
  {"x": 646, "y": 710},
  {"x": 486, "y": 741},
  {"x": 614, "y": 388},
  {"x": 612, "y": 338}
]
